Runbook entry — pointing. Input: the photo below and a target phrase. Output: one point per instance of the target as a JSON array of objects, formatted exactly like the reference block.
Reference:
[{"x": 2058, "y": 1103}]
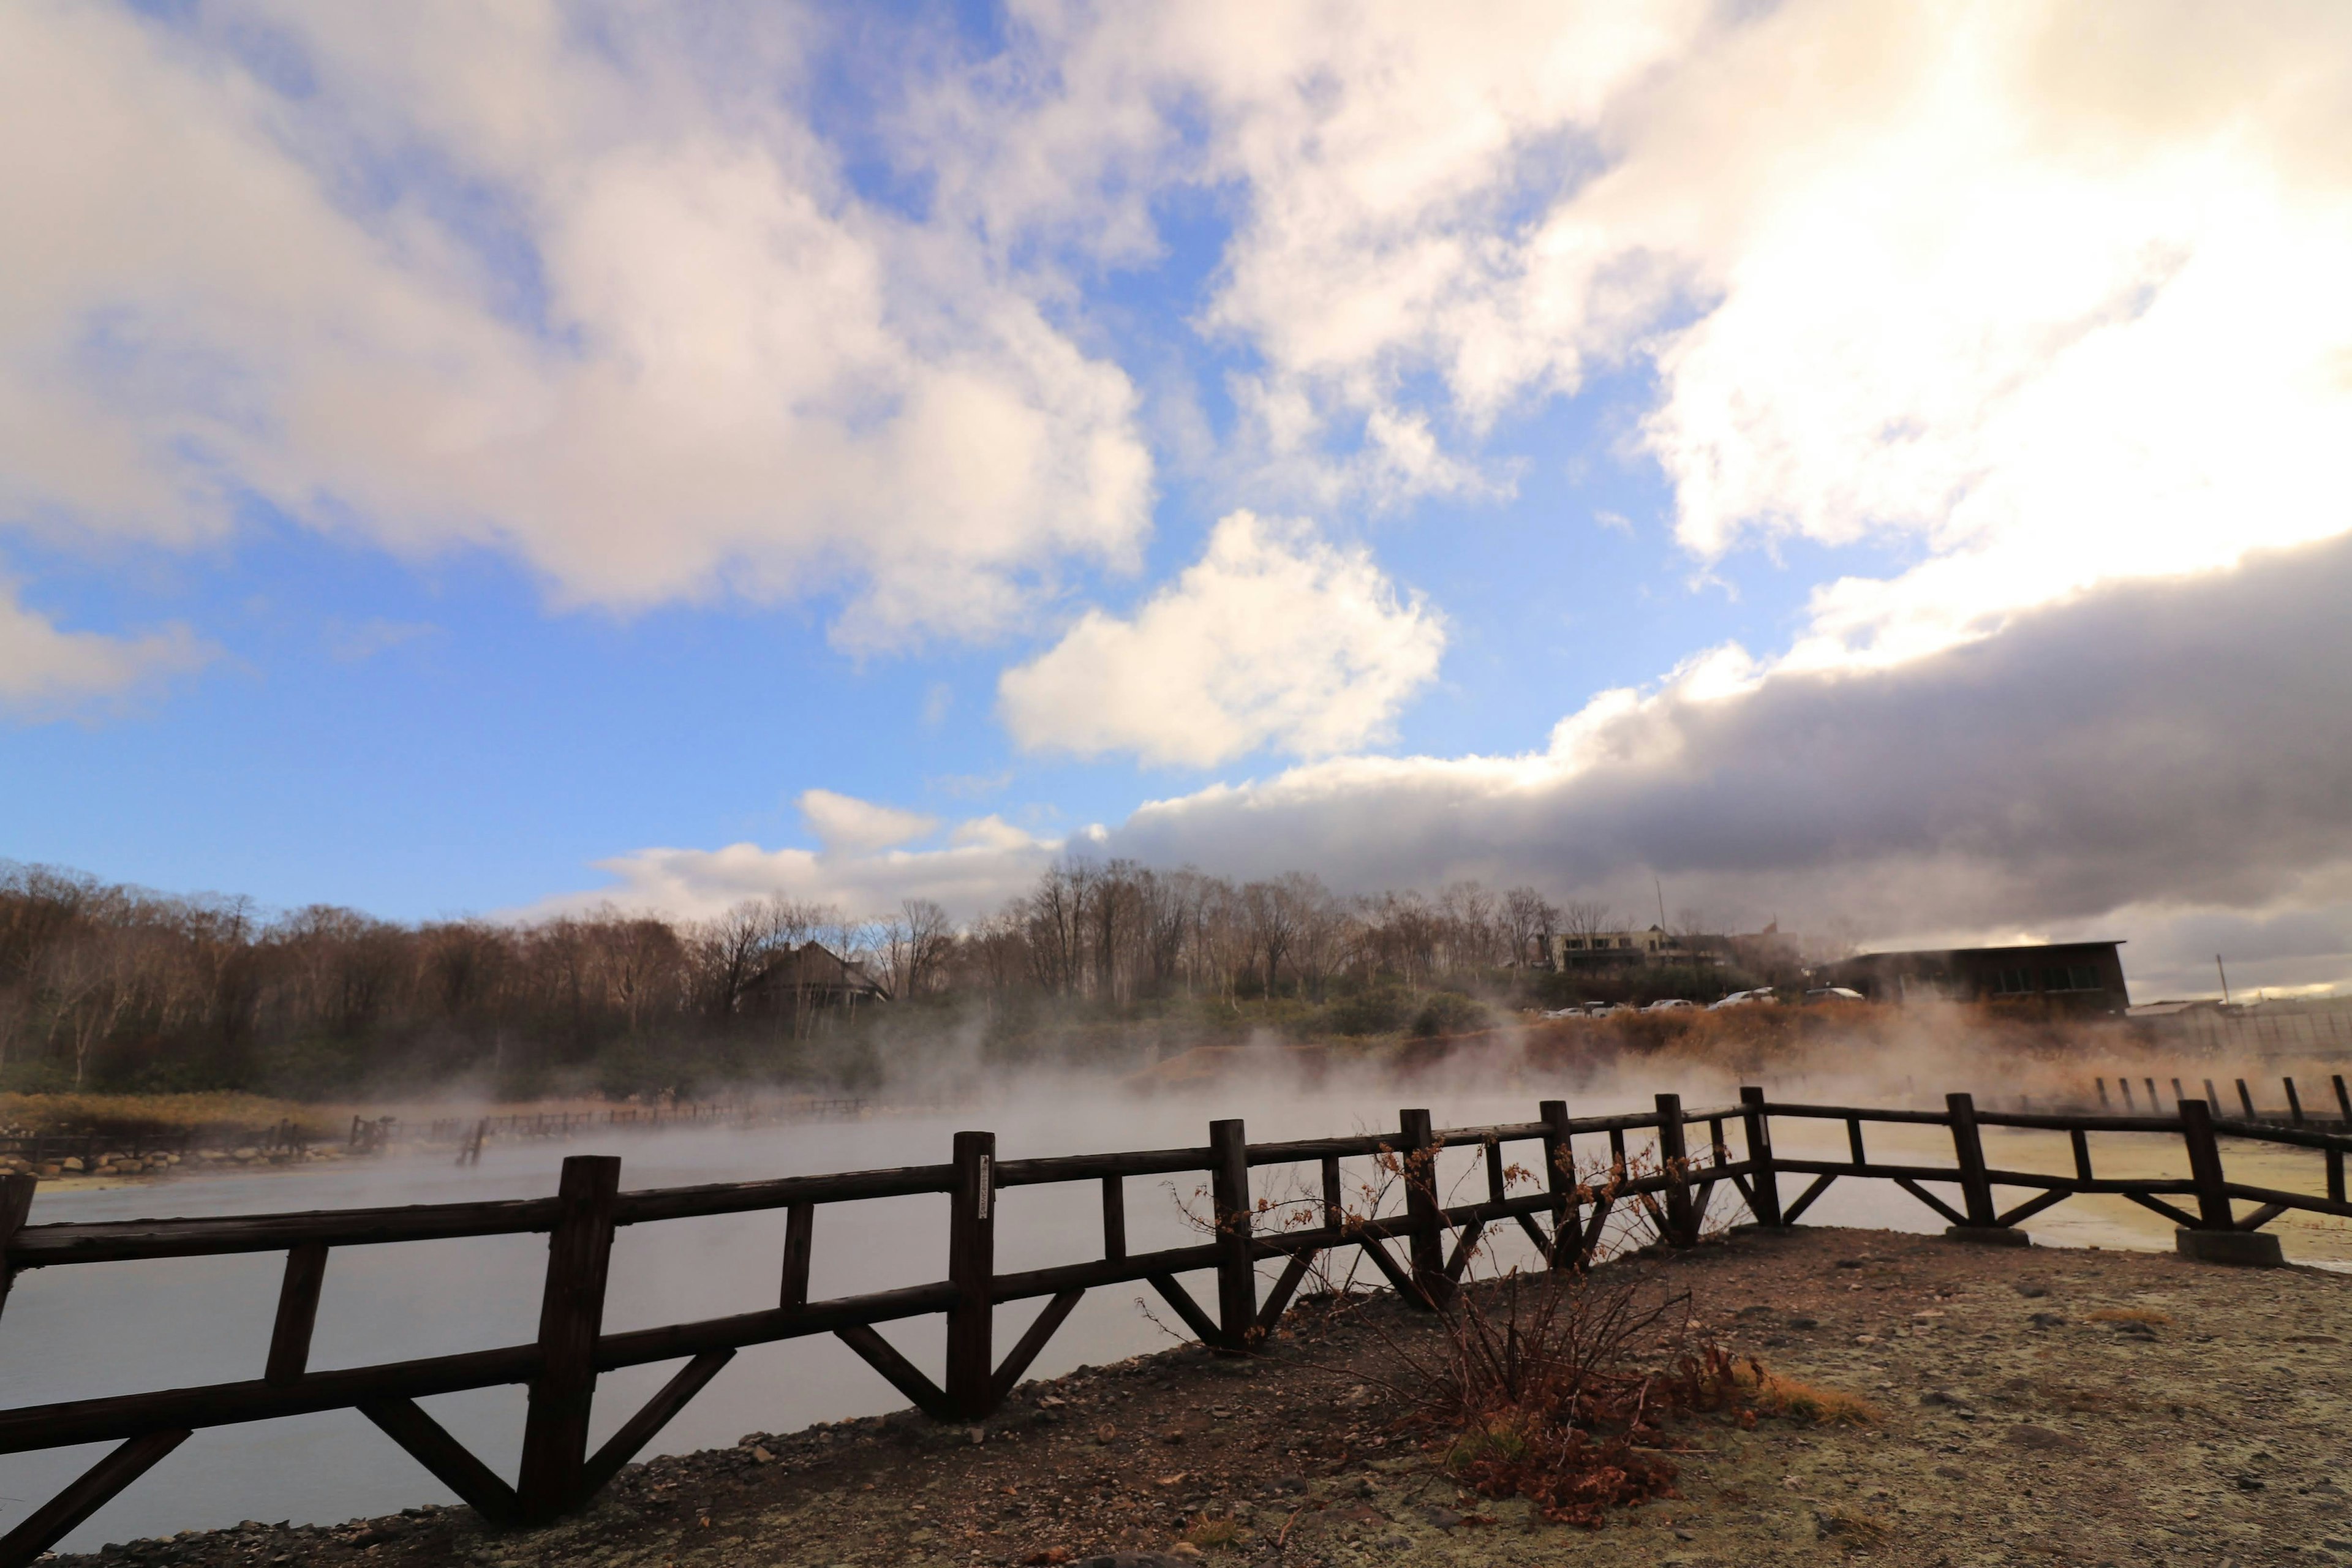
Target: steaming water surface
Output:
[{"x": 78, "y": 1332}]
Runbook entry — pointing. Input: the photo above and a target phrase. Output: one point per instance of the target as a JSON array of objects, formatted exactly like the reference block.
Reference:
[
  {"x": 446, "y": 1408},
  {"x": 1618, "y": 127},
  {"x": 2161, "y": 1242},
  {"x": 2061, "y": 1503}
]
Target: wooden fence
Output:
[
  {"x": 1671, "y": 1194},
  {"x": 2294, "y": 1115}
]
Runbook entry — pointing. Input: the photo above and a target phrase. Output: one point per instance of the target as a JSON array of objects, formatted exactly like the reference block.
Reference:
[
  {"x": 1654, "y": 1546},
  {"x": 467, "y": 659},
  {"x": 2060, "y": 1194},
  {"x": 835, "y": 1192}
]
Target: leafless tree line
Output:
[{"x": 204, "y": 990}]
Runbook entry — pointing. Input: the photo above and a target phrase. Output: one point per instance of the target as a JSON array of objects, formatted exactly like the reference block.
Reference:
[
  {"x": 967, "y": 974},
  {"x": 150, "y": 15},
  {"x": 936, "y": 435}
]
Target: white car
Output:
[
  {"x": 1604, "y": 1009},
  {"x": 1671, "y": 1004},
  {"x": 1834, "y": 994},
  {"x": 1743, "y": 999}
]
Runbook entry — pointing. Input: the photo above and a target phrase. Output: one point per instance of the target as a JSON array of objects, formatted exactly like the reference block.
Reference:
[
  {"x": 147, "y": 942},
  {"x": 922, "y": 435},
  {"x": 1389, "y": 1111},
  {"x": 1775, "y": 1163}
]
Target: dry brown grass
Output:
[
  {"x": 1215, "y": 1532},
  {"x": 1768, "y": 1392}
]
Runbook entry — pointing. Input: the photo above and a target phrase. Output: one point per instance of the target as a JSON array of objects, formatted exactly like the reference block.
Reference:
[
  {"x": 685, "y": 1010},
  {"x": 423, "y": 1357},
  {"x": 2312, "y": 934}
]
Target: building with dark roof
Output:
[
  {"x": 2082, "y": 976},
  {"x": 811, "y": 978}
]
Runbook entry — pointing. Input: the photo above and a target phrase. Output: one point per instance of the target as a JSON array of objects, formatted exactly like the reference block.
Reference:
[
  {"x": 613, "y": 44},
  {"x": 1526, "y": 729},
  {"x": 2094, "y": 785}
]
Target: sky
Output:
[{"x": 1877, "y": 468}]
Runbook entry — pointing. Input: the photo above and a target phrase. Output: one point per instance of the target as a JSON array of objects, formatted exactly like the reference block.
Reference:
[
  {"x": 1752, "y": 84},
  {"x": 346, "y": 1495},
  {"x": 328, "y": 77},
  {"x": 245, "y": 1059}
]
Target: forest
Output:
[{"x": 117, "y": 988}]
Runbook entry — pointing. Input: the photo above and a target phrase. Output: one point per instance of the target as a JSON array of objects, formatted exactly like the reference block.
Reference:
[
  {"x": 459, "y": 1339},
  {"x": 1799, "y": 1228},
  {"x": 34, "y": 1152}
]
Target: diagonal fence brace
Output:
[
  {"x": 1008, "y": 1376},
  {"x": 47, "y": 1524},
  {"x": 656, "y": 1414},
  {"x": 430, "y": 1444},
  {"x": 903, "y": 1374}
]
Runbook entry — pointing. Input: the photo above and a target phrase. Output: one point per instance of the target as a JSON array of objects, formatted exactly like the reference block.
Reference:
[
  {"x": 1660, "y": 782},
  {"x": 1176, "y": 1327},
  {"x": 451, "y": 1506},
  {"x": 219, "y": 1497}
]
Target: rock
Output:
[
  {"x": 70, "y": 1166},
  {"x": 2048, "y": 1319},
  {"x": 248, "y": 1153}
]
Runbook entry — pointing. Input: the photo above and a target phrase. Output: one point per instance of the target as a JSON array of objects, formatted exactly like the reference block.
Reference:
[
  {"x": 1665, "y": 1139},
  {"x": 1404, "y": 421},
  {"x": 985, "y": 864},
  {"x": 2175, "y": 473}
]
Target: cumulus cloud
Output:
[
  {"x": 844, "y": 822},
  {"x": 2044, "y": 297},
  {"x": 2184, "y": 744},
  {"x": 985, "y": 862},
  {"x": 2163, "y": 761},
  {"x": 574, "y": 287},
  {"x": 1274, "y": 638},
  {"x": 46, "y": 673}
]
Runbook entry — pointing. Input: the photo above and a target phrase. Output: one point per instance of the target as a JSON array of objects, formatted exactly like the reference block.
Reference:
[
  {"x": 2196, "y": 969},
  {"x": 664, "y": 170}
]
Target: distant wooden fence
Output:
[
  {"x": 1564, "y": 1219},
  {"x": 2294, "y": 1115}
]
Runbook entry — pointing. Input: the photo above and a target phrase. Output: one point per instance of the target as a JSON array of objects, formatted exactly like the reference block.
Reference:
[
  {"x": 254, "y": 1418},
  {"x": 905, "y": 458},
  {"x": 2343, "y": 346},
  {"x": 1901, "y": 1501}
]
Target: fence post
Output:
[
  {"x": 2293, "y": 1103},
  {"x": 15, "y": 1203},
  {"x": 1968, "y": 1148},
  {"x": 1764, "y": 1181},
  {"x": 1560, "y": 1167},
  {"x": 2205, "y": 1167},
  {"x": 1674, "y": 1164},
  {"x": 570, "y": 1314},
  {"x": 1419, "y": 1149},
  {"x": 2343, "y": 1101},
  {"x": 1229, "y": 1197},
  {"x": 971, "y": 1265}
]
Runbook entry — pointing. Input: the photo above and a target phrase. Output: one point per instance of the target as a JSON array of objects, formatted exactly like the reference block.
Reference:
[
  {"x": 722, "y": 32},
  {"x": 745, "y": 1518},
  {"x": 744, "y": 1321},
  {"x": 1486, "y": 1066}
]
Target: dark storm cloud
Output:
[{"x": 2180, "y": 742}]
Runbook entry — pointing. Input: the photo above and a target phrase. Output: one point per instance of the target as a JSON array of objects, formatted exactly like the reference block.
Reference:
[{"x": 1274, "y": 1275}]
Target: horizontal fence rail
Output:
[{"x": 1563, "y": 1207}]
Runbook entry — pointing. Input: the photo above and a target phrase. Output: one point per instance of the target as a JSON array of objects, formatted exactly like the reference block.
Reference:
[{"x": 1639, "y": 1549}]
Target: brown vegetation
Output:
[{"x": 117, "y": 987}]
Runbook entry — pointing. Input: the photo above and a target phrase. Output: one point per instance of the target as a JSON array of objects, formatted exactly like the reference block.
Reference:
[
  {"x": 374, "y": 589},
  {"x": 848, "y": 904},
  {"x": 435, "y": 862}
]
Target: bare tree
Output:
[
  {"x": 728, "y": 952},
  {"x": 917, "y": 951},
  {"x": 1529, "y": 918}
]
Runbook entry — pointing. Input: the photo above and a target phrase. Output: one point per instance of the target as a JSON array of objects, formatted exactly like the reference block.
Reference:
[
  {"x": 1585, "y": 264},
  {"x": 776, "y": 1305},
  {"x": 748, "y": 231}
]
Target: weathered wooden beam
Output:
[
  {"x": 15, "y": 1203},
  {"x": 800, "y": 1242},
  {"x": 96, "y": 1486},
  {"x": 971, "y": 1266},
  {"x": 1235, "y": 1220},
  {"x": 1172, "y": 1291},
  {"x": 450, "y": 1462},
  {"x": 571, "y": 1314},
  {"x": 656, "y": 1414},
  {"x": 298, "y": 1312},
  {"x": 1025, "y": 1350},
  {"x": 1269, "y": 1316}
]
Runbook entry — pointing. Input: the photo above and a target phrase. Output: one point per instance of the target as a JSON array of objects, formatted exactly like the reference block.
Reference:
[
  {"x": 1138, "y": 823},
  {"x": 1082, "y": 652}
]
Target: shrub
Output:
[
  {"x": 1377, "y": 1010},
  {"x": 1449, "y": 1013}
]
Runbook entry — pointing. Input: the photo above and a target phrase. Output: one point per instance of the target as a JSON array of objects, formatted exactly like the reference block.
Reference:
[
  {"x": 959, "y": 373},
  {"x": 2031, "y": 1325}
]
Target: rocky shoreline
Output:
[{"x": 2033, "y": 1405}]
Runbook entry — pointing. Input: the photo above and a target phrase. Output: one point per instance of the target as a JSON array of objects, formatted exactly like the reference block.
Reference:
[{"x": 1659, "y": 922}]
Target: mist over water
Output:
[{"x": 79, "y": 1332}]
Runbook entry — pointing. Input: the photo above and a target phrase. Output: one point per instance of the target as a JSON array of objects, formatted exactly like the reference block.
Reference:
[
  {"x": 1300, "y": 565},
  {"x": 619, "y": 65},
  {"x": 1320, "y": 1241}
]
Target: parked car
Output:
[
  {"x": 1604, "y": 1009},
  {"x": 1834, "y": 994},
  {"x": 1671, "y": 1004},
  {"x": 1744, "y": 999}
]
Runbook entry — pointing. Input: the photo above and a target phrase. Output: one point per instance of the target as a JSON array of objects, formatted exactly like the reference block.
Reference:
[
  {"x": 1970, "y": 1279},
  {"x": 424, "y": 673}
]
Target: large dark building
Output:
[{"x": 2088, "y": 976}]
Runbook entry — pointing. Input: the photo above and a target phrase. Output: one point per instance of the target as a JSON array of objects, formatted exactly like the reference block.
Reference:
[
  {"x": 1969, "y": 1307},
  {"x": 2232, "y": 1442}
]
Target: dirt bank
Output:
[{"x": 2062, "y": 1406}]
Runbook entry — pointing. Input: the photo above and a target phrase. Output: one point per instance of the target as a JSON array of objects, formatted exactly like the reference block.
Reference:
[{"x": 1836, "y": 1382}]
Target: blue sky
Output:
[{"x": 470, "y": 461}]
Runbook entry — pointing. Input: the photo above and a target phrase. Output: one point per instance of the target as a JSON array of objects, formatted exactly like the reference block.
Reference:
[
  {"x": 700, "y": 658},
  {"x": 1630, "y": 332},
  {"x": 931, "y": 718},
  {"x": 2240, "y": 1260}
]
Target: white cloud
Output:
[
  {"x": 1274, "y": 638},
  {"x": 2165, "y": 763},
  {"x": 575, "y": 288},
  {"x": 48, "y": 673},
  {"x": 2048, "y": 298},
  {"x": 986, "y": 862},
  {"x": 845, "y": 823},
  {"x": 2181, "y": 746}
]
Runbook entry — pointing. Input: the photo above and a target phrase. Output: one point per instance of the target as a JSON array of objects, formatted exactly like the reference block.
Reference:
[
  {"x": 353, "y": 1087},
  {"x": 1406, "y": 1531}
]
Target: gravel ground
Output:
[{"x": 2068, "y": 1407}]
